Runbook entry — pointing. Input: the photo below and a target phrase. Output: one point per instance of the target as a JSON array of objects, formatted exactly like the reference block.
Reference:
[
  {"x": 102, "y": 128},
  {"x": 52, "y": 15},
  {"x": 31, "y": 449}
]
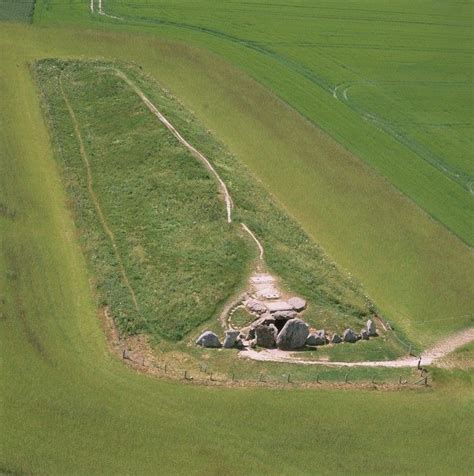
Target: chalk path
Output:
[{"x": 431, "y": 355}]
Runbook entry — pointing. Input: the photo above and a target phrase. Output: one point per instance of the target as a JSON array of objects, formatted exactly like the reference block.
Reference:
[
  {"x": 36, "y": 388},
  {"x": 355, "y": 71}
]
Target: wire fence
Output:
[{"x": 204, "y": 373}]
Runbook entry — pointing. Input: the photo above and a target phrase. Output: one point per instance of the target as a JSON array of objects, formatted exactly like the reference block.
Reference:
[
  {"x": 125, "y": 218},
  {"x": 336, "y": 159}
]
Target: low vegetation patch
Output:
[
  {"x": 161, "y": 221},
  {"x": 173, "y": 245},
  {"x": 17, "y": 10}
]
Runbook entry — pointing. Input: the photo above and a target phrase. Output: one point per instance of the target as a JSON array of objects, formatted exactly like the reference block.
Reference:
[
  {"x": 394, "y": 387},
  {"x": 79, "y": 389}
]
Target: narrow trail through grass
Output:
[
  {"x": 191, "y": 148},
  {"x": 93, "y": 195}
]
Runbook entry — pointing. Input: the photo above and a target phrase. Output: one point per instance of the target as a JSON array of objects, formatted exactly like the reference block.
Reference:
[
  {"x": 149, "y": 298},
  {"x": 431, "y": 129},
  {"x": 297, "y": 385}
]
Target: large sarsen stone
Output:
[
  {"x": 350, "y": 336},
  {"x": 208, "y": 339},
  {"x": 297, "y": 303},
  {"x": 293, "y": 335},
  {"x": 230, "y": 338},
  {"x": 319, "y": 338},
  {"x": 371, "y": 328},
  {"x": 266, "y": 335}
]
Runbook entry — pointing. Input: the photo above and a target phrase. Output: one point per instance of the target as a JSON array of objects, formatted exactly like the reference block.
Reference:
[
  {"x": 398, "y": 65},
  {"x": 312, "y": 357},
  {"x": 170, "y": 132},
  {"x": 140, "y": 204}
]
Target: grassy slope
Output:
[
  {"x": 185, "y": 250},
  {"x": 410, "y": 266},
  {"x": 181, "y": 258},
  {"x": 299, "y": 51},
  {"x": 67, "y": 405}
]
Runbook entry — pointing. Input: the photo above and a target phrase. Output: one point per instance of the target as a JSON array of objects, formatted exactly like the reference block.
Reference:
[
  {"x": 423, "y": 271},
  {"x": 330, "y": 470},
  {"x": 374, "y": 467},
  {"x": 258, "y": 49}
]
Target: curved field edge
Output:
[
  {"x": 67, "y": 405},
  {"x": 393, "y": 153},
  {"x": 185, "y": 260}
]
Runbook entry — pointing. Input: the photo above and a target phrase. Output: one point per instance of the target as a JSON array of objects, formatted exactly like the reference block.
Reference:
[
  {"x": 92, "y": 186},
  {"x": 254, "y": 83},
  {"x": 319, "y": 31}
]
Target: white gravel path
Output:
[{"x": 431, "y": 355}]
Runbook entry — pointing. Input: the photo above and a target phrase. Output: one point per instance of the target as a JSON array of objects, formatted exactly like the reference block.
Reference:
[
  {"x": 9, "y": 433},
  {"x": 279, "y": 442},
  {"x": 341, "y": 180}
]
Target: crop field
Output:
[
  {"x": 304, "y": 109},
  {"x": 361, "y": 80},
  {"x": 17, "y": 10}
]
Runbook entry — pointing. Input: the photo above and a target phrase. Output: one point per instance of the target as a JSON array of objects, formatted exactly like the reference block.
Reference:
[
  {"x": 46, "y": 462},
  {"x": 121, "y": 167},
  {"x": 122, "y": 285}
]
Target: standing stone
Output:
[
  {"x": 208, "y": 339},
  {"x": 230, "y": 338},
  {"x": 371, "y": 328},
  {"x": 266, "y": 335},
  {"x": 311, "y": 339},
  {"x": 364, "y": 335},
  {"x": 293, "y": 335},
  {"x": 318, "y": 338},
  {"x": 336, "y": 339},
  {"x": 239, "y": 344},
  {"x": 350, "y": 336},
  {"x": 297, "y": 303}
]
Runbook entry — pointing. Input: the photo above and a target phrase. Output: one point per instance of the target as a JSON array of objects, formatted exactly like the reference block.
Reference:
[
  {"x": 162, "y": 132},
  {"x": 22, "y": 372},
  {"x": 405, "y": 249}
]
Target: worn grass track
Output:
[{"x": 93, "y": 196}]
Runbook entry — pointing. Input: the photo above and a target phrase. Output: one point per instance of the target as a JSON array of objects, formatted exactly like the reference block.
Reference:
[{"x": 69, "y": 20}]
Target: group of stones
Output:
[{"x": 277, "y": 325}]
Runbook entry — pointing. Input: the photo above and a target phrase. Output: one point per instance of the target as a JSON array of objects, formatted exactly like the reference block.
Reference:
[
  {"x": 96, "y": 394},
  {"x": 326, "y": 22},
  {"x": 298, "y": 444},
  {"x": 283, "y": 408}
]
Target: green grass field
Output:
[
  {"x": 181, "y": 261},
  {"x": 68, "y": 406},
  {"x": 414, "y": 269},
  {"x": 360, "y": 83}
]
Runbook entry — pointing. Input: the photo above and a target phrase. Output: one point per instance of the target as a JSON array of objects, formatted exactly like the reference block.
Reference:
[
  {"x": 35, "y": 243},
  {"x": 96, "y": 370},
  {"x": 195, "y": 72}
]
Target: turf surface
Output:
[
  {"x": 68, "y": 406},
  {"x": 163, "y": 257},
  {"x": 412, "y": 268},
  {"x": 177, "y": 260},
  {"x": 404, "y": 108}
]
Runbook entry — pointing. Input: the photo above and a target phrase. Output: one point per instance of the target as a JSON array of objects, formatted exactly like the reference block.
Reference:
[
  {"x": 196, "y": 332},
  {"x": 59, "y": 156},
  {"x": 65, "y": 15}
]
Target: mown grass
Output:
[
  {"x": 68, "y": 407},
  {"x": 182, "y": 259}
]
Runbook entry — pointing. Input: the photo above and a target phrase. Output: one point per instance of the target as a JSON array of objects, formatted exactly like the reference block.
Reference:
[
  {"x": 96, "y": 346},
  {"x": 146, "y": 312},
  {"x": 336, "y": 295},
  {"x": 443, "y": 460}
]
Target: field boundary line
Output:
[{"x": 95, "y": 200}]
